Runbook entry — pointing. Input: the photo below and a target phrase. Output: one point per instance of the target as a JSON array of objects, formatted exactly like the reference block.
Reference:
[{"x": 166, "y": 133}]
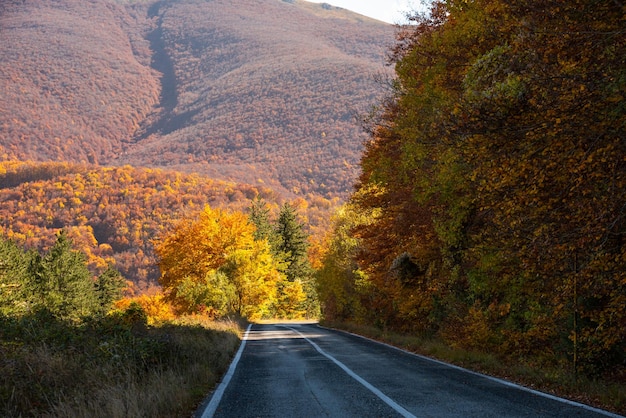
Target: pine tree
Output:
[
  {"x": 109, "y": 287},
  {"x": 259, "y": 215},
  {"x": 293, "y": 244},
  {"x": 14, "y": 279},
  {"x": 297, "y": 268},
  {"x": 63, "y": 281}
]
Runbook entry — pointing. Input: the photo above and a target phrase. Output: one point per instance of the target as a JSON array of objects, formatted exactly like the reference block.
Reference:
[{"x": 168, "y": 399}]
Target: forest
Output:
[
  {"x": 114, "y": 214},
  {"x": 490, "y": 209},
  {"x": 246, "y": 91}
]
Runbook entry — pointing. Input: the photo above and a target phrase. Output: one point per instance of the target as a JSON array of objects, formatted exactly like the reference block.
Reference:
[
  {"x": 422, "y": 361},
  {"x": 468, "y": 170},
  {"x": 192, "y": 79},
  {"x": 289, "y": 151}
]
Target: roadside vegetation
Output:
[
  {"x": 490, "y": 213},
  {"x": 65, "y": 351},
  {"x": 116, "y": 366},
  {"x": 77, "y": 345}
]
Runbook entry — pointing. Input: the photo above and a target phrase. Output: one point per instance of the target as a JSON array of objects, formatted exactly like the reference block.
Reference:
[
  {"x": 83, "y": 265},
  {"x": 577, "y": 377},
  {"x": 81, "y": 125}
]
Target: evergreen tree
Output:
[
  {"x": 63, "y": 281},
  {"x": 14, "y": 278},
  {"x": 109, "y": 288},
  {"x": 293, "y": 244},
  {"x": 297, "y": 269},
  {"x": 259, "y": 215}
]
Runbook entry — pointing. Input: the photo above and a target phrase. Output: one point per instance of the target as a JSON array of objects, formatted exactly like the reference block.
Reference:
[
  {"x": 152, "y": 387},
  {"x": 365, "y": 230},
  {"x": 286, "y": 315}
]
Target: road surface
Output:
[{"x": 302, "y": 370}]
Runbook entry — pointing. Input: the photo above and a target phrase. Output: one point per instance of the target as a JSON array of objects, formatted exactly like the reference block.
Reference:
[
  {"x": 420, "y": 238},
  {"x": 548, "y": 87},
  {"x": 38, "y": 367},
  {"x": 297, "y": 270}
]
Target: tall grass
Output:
[{"x": 110, "y": 368}]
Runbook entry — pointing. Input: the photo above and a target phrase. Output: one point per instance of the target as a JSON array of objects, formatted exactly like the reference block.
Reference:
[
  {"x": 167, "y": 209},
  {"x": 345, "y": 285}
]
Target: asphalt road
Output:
[{"x": 302, "y": 370}]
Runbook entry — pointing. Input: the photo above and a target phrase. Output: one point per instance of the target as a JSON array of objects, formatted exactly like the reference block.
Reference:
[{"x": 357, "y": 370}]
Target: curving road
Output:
[{"x": 303, "y": 370}]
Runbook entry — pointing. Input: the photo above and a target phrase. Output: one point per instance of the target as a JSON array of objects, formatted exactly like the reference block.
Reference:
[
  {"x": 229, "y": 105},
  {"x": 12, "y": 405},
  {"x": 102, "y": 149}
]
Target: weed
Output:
[{"x": 109, "y": 367}]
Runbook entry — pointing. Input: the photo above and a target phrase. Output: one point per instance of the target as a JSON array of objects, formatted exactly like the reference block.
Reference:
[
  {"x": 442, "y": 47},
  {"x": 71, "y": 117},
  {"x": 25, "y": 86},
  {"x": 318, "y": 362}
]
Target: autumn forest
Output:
[
  {"x": 179, "y": 164},
  {"x": 490, "y": 208}
]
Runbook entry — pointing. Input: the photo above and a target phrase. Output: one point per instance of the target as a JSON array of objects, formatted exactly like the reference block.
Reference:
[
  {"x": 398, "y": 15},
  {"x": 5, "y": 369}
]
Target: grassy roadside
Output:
[
  {"x": 608, "y": 395},
  {"x": 112, "y": 367}
]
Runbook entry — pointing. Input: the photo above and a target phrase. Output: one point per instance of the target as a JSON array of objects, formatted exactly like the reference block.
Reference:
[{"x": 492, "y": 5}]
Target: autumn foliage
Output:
[
  {"x": 213, "y": 264},
  {"x": 247, "y": 91},
  {"x": 111, "y": 214},
  {"x": 490, "y": 208}
]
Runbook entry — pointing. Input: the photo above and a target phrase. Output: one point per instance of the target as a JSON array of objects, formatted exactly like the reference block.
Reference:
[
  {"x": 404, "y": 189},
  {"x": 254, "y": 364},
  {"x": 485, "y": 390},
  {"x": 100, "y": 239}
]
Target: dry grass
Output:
[{"x": 108, "y": 370}]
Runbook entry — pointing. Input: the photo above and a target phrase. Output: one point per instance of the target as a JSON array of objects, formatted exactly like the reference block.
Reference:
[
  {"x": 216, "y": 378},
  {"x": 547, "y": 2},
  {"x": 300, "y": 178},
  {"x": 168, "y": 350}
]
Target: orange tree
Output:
[{"x": 214, "y": 262}]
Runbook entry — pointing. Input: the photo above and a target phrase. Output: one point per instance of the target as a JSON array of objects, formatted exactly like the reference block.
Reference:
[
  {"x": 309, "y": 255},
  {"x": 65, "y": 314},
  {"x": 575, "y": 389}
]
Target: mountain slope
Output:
[
  {"x": 256, "y": 91},
  {"x": 73, "y": 83}
]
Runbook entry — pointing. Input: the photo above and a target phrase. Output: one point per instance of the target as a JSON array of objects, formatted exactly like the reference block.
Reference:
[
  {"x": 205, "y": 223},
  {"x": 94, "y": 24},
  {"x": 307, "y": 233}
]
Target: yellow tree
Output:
[
  {"x": 252, "y": 270},
  {"x": 213, "y": 261}
]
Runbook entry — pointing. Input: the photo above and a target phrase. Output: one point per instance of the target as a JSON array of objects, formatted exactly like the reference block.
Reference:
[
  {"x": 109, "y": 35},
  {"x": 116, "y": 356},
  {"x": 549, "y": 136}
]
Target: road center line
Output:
[
  {"x": 219, "y": 392},
  {"x": 399, "y": 409}
]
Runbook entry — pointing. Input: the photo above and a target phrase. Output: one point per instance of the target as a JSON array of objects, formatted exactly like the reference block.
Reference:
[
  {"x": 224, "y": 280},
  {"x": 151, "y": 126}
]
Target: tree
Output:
[
  {"x": 253, "y": 272},
  {"x": 213, "y": 261},
  {"x": 15, "y": 286},
  {"x": 495, "y": 178},
  {"x": 293, "y": 244},
  {"x": 109, "y": 288},
  {"x": 259, "y": 215},
  {"x": 213, "y": 294},
  {"x": 344, "y": 289},
  {"x": 63, "y": 283}
]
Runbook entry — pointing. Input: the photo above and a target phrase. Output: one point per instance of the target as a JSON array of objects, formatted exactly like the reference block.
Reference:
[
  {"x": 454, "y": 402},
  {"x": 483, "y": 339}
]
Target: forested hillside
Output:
[
  {"x": 76, "y": 80},
  {"x": 490, "y": 211},
  {"x": 262, "y": 92},
  {"x": 111, "y": 214}
]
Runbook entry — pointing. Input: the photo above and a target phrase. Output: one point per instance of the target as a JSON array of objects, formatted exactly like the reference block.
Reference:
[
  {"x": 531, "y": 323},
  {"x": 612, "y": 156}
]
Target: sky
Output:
[{"x": 390, "y": 11}]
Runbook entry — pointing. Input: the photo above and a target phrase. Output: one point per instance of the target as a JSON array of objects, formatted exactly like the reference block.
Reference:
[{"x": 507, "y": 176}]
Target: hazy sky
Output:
[{"x": 391, "y": 11}]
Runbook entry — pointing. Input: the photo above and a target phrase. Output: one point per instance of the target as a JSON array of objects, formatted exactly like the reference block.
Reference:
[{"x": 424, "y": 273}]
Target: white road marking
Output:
[
  {"x": 219, "y": 392},
  {"x": 493, "y": 379},
  {"x": 399, "y": 409}
]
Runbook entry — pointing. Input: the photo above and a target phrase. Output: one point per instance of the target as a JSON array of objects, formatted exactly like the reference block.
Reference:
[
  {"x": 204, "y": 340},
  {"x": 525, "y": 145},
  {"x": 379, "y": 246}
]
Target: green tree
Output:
[
  {"x": 214, "y": 292},
  {"x": 259, "y": 215},
  {"x": 63, "y": 283},
  {"x": 109, "y": 288},
  {"x": 293, "y": 246},
  {"x": 15, "y": 289}
]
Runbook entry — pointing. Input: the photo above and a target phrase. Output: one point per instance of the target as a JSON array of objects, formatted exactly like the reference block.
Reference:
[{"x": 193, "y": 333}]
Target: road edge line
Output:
[
  {"x": 395, "y": 406},
  {"x": 210, "y": 409},
  {"x": 486, "y": 376}
]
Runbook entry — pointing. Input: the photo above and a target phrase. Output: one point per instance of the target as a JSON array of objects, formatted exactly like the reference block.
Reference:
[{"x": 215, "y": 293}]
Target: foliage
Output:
[
  {"x": 76, "y": 90},
  {"x": 493, "y": 186},
  {"x": 113, "y": 366},
  {"x": 213, "y": 261},
  {"x": 64, "y": 352},
  {"x": 255, "y": 92},
  {"x": 154, "y": 305},
  {"x": 259, "y": 215},
  {"x": 14, "y": 278},
  {"x": 63, "y": 283},
  {"x": 111, "y": 213},
  {"x": 342, "y": 287},
  {"x": 292, "y": 244},
  {"x": 57, "y": 283},
  {"x": 109, "y": 287}
]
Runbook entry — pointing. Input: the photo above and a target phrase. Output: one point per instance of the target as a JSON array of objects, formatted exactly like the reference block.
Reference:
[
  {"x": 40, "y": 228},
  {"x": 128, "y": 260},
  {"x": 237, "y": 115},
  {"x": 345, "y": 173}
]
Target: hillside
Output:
[
  {"x": 115, "y": 214},
  {"x": 75, "y": 80},
  {"x": 256, "y": 91}
]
